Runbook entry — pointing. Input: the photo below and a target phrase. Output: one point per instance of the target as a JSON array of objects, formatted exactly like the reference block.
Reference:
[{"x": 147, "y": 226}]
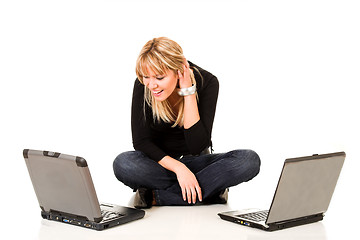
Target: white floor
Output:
[
  {"x": 180, "y": 223},
  {"x": 288, "y": 74},
  {"x": 196, "y": 222},
  {"x": 200, "y": 222}
]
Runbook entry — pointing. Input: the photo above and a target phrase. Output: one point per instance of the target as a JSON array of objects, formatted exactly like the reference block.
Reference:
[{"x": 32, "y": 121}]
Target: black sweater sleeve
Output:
[{"x": 198, "y": 137}]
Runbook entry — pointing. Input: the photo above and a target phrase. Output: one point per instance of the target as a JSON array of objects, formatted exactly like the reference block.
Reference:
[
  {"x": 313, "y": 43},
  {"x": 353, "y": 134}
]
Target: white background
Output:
[{"x": 288, "y": 73}]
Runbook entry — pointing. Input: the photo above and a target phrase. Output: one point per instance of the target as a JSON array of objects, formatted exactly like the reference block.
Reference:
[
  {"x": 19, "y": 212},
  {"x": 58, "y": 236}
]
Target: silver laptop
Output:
[
  {"x": 66, "y": 193},
  {"x": 302, "y": 196}
]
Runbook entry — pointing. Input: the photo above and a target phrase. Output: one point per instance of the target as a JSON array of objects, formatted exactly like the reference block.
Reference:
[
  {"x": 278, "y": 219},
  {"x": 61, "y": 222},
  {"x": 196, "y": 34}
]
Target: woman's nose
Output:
[{"x": 152, "y": 83}]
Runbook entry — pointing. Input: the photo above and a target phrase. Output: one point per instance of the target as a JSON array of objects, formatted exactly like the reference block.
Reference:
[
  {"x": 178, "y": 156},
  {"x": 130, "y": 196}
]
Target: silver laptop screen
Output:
[
  {"x": 62, "y": 183},
  {"x": 305, "y": 187}
]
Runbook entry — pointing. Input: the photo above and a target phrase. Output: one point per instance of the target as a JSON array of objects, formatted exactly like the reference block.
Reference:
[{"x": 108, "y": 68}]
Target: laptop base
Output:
[
  {"x": 295, "y": 222},
  {"x": 128, "y": 215},
  {"x": 272, "y": 226},
  {"x": 227, "y": 217}
]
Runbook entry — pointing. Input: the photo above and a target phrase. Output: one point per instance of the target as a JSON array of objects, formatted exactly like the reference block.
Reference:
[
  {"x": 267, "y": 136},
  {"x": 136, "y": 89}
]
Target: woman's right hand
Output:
[{"x": 189, "y": 185}]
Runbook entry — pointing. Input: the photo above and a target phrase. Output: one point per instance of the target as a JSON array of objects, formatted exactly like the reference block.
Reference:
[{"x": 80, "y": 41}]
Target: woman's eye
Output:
[{"x": 160, "y": 78}]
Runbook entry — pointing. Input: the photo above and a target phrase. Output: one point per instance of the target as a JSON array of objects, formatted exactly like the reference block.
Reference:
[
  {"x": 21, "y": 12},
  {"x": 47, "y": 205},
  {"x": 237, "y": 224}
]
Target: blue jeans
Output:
[{"x": 214, "y": 172}]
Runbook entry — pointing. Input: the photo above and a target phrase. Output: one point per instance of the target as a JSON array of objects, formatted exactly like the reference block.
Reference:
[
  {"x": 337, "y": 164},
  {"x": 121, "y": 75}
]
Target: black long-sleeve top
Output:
[{"x": 158, "y": 139}]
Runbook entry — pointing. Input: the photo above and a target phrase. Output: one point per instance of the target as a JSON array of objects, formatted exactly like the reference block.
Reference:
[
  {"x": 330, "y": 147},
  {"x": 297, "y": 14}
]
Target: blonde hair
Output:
[{"x": 161, "y": 55}]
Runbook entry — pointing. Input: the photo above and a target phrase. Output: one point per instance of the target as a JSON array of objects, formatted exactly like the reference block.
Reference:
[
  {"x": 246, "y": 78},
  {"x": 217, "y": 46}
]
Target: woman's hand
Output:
[
  {"x": 188, "y": 183},
  {"x": 184, "y": 78},
  {"x": 191, "y": 111}
]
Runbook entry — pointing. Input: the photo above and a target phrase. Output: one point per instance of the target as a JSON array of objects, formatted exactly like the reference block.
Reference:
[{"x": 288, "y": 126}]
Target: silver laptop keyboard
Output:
[
  {"x": 255, "y": 216},
  {"x": 109, "y": 214}
]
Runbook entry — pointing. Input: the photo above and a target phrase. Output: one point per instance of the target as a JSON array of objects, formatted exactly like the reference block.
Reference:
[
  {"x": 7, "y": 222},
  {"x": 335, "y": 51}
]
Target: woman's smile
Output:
[{"x": 157, "y": 93}]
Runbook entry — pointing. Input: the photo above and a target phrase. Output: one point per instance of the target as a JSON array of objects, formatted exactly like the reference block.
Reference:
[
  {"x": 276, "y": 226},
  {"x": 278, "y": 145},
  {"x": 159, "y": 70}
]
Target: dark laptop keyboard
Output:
[
  {"x": 108, "y": 214},
  {"x": 255, "y": 216}
]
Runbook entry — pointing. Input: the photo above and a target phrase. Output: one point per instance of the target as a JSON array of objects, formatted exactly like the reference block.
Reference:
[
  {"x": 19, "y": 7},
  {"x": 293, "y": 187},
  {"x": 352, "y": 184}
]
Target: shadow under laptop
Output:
[{"x": 313, "y": 231}]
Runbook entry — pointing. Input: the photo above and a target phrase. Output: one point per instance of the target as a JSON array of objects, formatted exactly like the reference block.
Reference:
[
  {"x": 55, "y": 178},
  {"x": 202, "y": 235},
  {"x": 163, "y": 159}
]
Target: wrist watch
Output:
[{"x": 187, "y": 91}]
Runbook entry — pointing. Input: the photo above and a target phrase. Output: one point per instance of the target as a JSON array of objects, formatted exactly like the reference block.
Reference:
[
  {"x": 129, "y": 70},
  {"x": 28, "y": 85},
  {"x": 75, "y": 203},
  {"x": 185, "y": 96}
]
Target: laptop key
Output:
[
  {"x": 255, "y": 216},
  {"x": 108, "y": 214}
]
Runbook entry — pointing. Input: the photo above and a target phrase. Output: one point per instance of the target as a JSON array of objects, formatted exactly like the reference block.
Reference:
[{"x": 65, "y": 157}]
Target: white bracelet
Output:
[{"x": 187, "y": 91}]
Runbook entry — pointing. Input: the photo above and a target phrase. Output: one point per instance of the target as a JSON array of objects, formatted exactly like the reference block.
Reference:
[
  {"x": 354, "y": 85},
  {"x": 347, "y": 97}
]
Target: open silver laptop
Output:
[
  {"x": 302, "y": 196},
  {"x": 66, "y": 193}
]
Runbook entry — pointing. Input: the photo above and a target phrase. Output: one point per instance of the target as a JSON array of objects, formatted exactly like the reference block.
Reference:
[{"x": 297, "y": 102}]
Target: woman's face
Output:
[{"x": 161, "y": 86}]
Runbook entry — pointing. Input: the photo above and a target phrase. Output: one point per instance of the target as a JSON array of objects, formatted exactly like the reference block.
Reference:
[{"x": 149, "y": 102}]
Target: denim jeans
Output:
[{"x": 214, "y": 172}]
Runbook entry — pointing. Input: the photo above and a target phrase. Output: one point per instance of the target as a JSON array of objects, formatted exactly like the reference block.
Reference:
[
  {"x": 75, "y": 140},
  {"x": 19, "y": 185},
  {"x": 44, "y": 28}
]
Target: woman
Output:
[{"x": 173, "y": 109}]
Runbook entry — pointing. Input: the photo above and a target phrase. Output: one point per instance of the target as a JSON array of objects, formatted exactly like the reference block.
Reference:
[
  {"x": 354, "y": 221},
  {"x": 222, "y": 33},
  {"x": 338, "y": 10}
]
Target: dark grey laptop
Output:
[
  {"x": 66, "y": 193},
  {"x": 302, "y": 196}
]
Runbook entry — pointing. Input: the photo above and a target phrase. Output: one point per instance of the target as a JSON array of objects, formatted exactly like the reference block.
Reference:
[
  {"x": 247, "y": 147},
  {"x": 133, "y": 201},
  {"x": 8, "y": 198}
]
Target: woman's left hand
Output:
[{"x": 184, "y": 79}]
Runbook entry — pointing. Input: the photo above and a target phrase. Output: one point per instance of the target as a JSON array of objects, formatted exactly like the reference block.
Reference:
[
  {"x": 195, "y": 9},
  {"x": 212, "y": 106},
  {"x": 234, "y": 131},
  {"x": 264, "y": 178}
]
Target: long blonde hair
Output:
[{"x": 160, "y": 55}]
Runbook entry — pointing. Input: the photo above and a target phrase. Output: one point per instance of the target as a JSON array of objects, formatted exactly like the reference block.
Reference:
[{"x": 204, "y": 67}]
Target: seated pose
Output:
[{"x": 172, "y": 114}]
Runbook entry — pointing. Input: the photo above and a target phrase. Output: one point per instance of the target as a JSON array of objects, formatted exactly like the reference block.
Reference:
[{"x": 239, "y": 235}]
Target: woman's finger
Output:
[
  {"x": 183, "y": 193},
  {"x": 193, "y": 192},
  {"x": 186, "y": 63},
  {"x": 198, "y": 190},
  {"x": 189, "y": 193}
]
